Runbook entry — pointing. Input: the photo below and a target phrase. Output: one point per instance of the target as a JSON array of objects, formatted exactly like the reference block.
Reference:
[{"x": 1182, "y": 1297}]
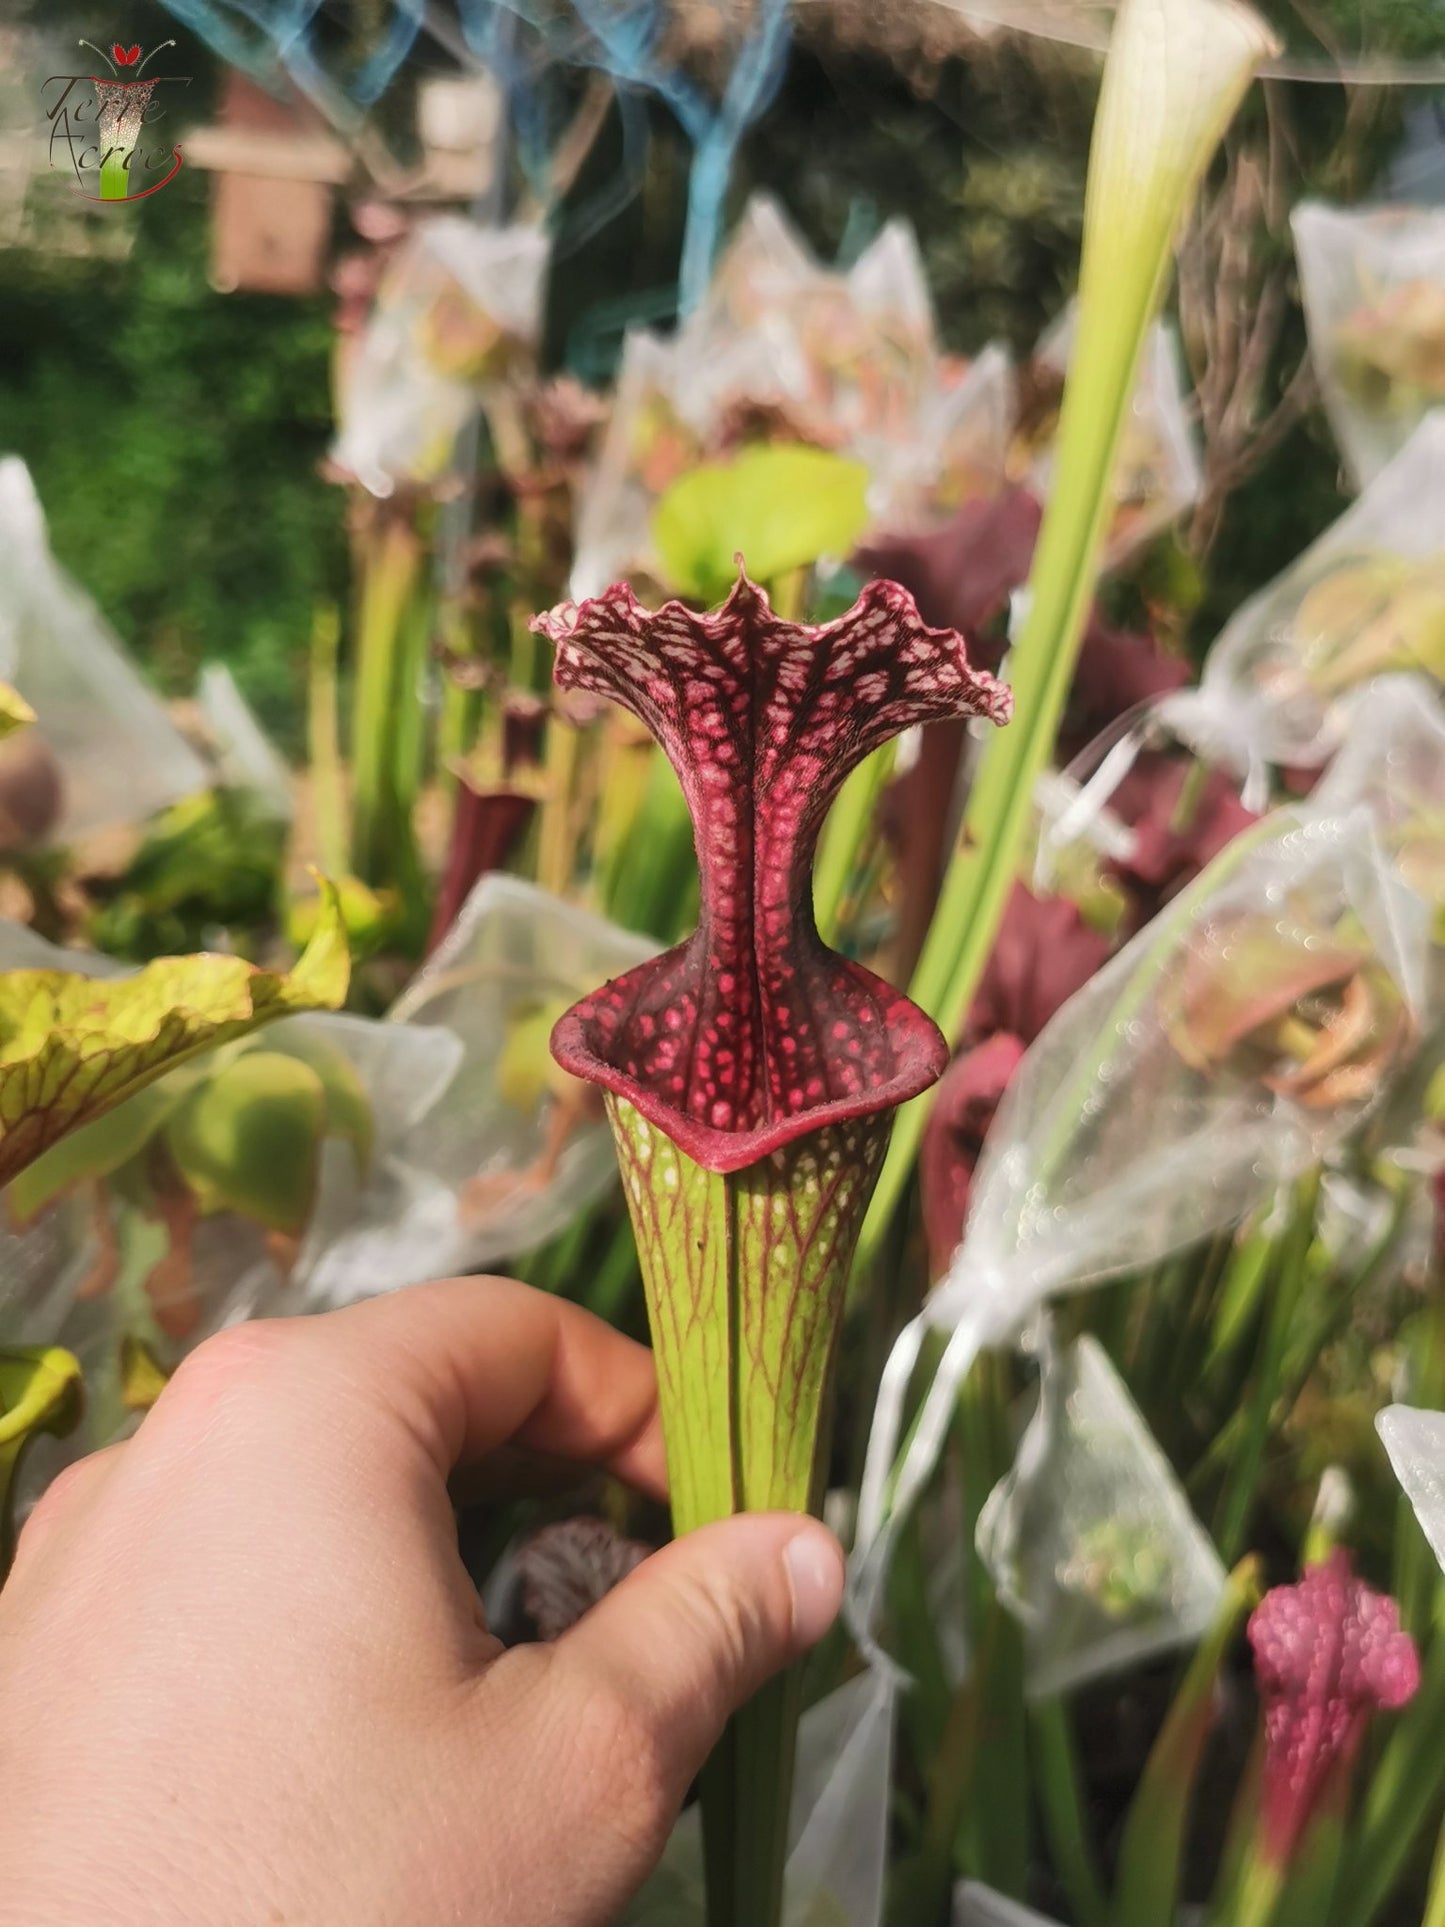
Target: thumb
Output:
[{"x": 696, "y": 1629}]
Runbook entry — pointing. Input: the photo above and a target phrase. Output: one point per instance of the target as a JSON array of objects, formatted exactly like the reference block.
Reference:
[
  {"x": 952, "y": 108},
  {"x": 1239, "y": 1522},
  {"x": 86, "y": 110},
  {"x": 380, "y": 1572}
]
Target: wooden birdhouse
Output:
[{"x": 277, "y": 166}]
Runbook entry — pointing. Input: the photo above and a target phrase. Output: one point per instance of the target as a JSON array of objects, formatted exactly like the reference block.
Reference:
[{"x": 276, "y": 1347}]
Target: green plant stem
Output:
[
  {"x": 1239, "y": 1299},
  {"x": 522, "y": 660},
  {"x": 556, "y": 849},
  {"x": 1060, "y": 1790},
  {"x": 849, "y": 825},
  {"x": 745, "y": 1275},
  {"x": 1156, "y": 1336},
  {"x": 992, "y": 1840},
  {"x": 1416, "y": 1582},
  {"x": 1152, "y": 1851},
  {"x": 615, "y": 1281},
  {"x": 1152, "y": 142},
  {"x": 386, "y": 697},
  {"x": 923, "y": 1711},
  {"x": 1404, "y": 1788},
  {"x": 919, "y": 1888},
  {"x": 1314, "y": 1872},
  {"x": 1304, "y": 1352},
  {"x": 323, "y": 742},
  {"x": 1206, "y": 1275},
  {"x": 1243, "y": 1484},
  {"x": 569, "y": 1265},
  {"x": 1435, "y": 1902},
  {"x": 1259, "y": 1895},
  {"x": 625, "y": 771},
  {"x": 412, "y": 727},
  {"x": 461, "y": 709},
  {"x": 552, "y": 1265},
  {"x": 1238, "y": 1838},
  {"x": 994, "y": 1835}
]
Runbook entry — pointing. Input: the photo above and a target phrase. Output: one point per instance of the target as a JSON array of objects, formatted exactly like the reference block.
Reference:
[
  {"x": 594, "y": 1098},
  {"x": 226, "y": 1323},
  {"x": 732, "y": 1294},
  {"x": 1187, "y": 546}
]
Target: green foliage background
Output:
[{"x": 175, "y": 433}]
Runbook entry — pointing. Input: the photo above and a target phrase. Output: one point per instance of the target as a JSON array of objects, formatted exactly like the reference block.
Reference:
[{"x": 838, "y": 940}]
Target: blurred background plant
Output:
[{"x": 454, "y": 314}]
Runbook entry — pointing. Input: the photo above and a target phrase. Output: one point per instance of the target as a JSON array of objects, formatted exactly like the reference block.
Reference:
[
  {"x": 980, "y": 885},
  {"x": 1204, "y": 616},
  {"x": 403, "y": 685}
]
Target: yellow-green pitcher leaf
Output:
[
  {"x": 248, "y": 1140},
  {"x": 348, "y": 1108},
  {"x": 15, "y": 712},
  {"x": 40, "y": 1391},
  {"x": 94, "y": 1151},
  {"x": 780, "y": 506},
  {"x": 526, "y": 1071},
  {"x": 369, "y": 917},
  {"x": 72, "y": 1048},
  {"x": 142, "y": 1375}
]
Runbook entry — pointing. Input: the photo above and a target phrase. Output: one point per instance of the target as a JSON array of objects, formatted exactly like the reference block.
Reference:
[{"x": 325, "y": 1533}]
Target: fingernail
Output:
[{"x": 815, "y": 1573}]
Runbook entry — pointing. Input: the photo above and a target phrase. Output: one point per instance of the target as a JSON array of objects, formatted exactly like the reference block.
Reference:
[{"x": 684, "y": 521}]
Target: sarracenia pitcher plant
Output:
[{"x": 751, "y": 1074}]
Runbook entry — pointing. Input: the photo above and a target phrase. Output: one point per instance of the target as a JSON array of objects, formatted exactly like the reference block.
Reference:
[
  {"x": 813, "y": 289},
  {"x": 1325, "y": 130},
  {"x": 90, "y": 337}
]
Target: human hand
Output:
[{"x": 244, "y": 1676}]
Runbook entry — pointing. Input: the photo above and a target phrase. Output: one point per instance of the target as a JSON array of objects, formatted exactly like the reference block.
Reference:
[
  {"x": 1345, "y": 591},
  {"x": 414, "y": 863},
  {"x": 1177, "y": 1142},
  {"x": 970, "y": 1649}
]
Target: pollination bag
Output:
[
  {"x": 1373, "y": 284},
  {"x": 513, "y": 1148},
  {"x": 458, "y": 310},
  {"x": 784, "y": 349},
  {"x": 1392, "y": 762},
  {"x": 837, "y": 1828},
  {"x": 1415, "y": 1442},
  {"x": 1157, "y": 475},
  {"x": 1239, "y": 1037},
  {"x": 967, "y": 459},
  {"x": 1364, "y": 600},
  {"x": 839, "y": 1852},
  {"x": 199, "y": 1202},
  {"x": 852, "y": 354},
  {"x": 111, "y": 753},
  {"x": 1089, "y": 1538},
  {"x": 646, "y": 446},
  {"x": 1181, "y": 1057},
  {"x": 245, "y": 757}
]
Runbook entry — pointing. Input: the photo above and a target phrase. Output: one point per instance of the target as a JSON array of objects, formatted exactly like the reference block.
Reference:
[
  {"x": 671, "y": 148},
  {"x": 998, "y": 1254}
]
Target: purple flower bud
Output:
[{"x": 1328, "y": 1653}]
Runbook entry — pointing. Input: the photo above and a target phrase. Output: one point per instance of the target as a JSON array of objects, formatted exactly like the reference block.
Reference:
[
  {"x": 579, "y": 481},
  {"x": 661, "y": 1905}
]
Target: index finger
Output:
[{"x": 466, "y": 1364}]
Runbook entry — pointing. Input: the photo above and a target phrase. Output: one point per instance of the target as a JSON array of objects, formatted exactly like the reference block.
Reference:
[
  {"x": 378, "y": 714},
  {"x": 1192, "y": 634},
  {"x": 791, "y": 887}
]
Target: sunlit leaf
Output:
[
  {"x": 779, "y": 506},
  {"x": 72, "y": 1048},
  {"x": 526, "y": 1070},
  {"x": 15, "y": 712},
  {"x": 348, "y": 1108},
  {"x": 371, "y": 917},
  {"x": 142, "y": 1376},
  {"x": 94, "y": 1151},
  {"x": 39, "y": 1392},
  {"x": 248, "y": 1140}
]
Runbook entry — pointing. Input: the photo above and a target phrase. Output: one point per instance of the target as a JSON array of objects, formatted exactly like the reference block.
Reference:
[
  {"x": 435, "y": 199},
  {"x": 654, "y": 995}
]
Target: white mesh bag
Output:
[
  {"x": 121, "y": 757},
  {"x": 1373, "y": 283},
  {"x": 1366, "y": 599},
  {"x": 1089, "y": 1538},
  {"x": 459, "y": 308}
]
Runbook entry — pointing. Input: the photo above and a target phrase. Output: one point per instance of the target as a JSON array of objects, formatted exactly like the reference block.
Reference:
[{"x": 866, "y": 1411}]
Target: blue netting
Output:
[
  {"x": 627, "y": 37},
  {"x": 520, "y": 43}
]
